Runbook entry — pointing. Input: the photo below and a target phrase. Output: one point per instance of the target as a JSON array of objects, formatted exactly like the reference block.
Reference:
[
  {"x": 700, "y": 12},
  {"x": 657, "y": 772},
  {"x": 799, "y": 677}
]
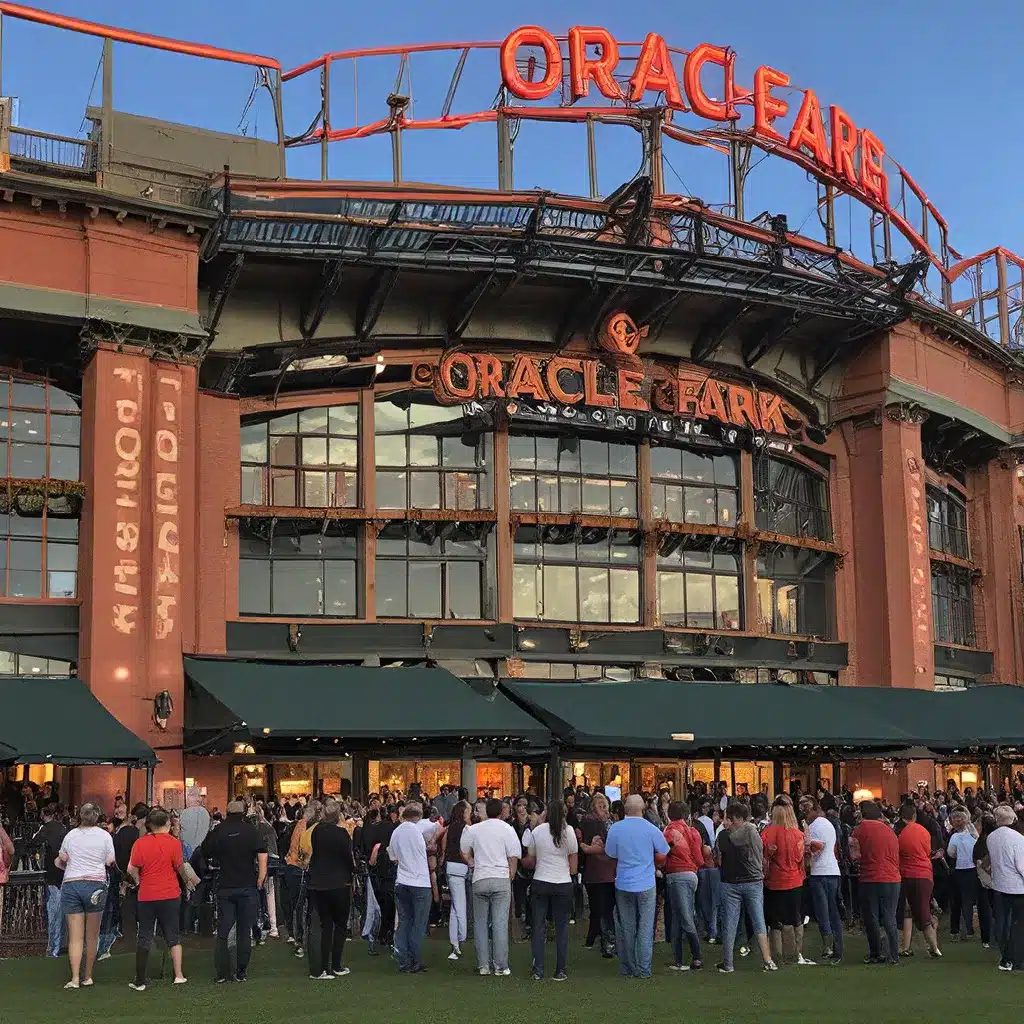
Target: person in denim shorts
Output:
[{"x": 85, "y": 855}]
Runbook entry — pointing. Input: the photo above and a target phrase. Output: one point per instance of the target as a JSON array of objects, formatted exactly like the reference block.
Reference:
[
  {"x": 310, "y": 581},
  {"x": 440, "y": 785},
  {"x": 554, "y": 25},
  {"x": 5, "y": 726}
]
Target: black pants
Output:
[
  {"x": 235, "y": 907},
  {"x": 602, "y": 914},
  {"x": 963, "y": 898},
  {"x": 153, "y": 913},
  {"x": 520, "y": 897},
  {"x": 545, "y": 896},
  {"x": 1013, "y": 908},
  {"x": 332, "y": 906},
  {"x": 385, "y": 893},
  {"x": 878, "y": 901}
]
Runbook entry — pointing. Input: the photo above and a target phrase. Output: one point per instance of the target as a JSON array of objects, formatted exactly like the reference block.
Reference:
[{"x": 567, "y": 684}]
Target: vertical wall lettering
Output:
[
  {"x": 128, "y": 386},
  {"x": 168, "y": 558}
]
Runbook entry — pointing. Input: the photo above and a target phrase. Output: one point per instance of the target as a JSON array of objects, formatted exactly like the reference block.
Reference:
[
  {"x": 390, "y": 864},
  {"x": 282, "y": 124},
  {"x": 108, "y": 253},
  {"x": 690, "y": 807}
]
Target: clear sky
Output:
[{"x": 937, "y": 80}]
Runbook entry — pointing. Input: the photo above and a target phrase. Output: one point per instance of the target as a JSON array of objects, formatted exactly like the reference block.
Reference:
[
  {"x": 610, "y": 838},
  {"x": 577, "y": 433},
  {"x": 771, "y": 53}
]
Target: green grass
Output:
[{"x": 280, "y": 992}]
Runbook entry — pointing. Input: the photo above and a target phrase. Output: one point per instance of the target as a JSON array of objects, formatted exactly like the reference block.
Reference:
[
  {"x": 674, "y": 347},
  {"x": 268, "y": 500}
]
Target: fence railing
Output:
[
  {"x": 59, "y": 154},
  {"x": 23, "y": 914}
]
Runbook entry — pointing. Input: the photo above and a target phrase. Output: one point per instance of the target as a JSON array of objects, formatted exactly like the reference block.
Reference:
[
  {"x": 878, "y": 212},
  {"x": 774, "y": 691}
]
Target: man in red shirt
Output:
[
  {"x": 915, "y": 844},
  {"x": 685, "y": 858},
  {"x": 154, "y": 866},
  {"x": 875, "y": 845}
]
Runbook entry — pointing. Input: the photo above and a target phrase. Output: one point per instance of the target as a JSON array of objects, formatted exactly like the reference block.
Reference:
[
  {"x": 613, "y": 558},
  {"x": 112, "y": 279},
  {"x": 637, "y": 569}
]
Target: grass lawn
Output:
[{"x": 279, "y": 990}]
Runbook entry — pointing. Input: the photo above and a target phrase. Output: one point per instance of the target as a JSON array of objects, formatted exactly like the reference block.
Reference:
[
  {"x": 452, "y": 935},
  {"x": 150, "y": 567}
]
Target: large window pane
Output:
[
  {"x": 391, "y": 490},
  {"x": 425, "y": 589},
  {"x": 392, "y": 589},
  {"x": 524, "y": 594},
  {"x": 700, "y": 602},
  {"x": 297, "y": 587},
  {"x": 253, "y": 587},
  {"x": 340, "y": 588},
  {"x": 727, "y": 602},
  {"x": 790, "y": 499},
  {"x": 671, "y": 600},
  {"x": 560, "y": 593},
  {"x": 464, "y": 597},
  {"x": 594, "y": 595},
  {"x": 625, "y": 595}
]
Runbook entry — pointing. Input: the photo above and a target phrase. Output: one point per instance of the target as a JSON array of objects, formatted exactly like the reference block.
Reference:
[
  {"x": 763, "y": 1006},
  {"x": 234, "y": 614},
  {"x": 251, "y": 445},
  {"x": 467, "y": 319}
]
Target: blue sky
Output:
[{"x": 934, "y": 79}]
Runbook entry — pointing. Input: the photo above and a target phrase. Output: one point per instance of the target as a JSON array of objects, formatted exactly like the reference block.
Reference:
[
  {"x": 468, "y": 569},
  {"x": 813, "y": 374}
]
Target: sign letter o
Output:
[{"x": 531, "y": 35}]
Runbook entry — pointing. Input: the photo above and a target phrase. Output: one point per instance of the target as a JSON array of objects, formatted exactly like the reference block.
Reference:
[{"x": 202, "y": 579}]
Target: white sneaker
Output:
[
  {"x": 273, "y": 934},
  {"x": 136, "y": 988},
  {"x": 503, "y": 973},
  {"x": 484, "y": 971},
  {"x": 454, "y": 954},
  {"x": 804, "y": 962},
  {"x": 678, "y": 967},
  {"x": 341, "y": 972},
  {"x": 324, "y": 976},
  {"x": 290, "y": 940},
  {"x": 180, "y": 981},
  {"x": 744, "y": 951},
  {"x": 104, "y": 956}
]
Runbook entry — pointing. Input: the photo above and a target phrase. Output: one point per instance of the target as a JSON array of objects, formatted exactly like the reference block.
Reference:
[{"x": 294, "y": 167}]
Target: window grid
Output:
[
  {"x": 577, "y": 671},
  {"x": 790, "y": 499},
  {"x": 569, "y": 474},
  {"x": 295, "y": 568},
  {"x": 947, "y": 523},
  {"x": 793, "y": 592},
  {"x": 952, "y": 608},
  {"x": 700, "y": 590},
  {"x": 12, "y": 664},
  {"x": 424, "y": 574},
  {"x": 566, "y": 575},
  {"x": 39, "y": 556},
  {"x": 40, "y": 430},
  {"x": 688, "y": 486},
  {"x": 304, "y": 459}
]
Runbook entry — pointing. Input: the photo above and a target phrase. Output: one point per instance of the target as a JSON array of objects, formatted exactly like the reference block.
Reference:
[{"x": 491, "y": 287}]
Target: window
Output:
[
  {"x": 951, "y": 684},
  {"x": 574, "y": 671},
  {"x": 39, "y": 431},
  {"x": 571, "y": 474},
  {"x": 569, "y": 574},
  {"x": 790, "y": 499},
  {"x": 794, "y": 592},
  {"x": 433, "y": 571},
  {"x": 947, "y": 523},
  {"x": 427, "y": 458},
  {"x": 693, "y": 487},
  {"x": 305, "y": 459},
  {"x": 38, "y": 556},
  {"x": 698, "y": 589},
  {"x": 12, "y": 664},
  {"x": 297, "y": 567},
  {"x": 952, "y": 606}
]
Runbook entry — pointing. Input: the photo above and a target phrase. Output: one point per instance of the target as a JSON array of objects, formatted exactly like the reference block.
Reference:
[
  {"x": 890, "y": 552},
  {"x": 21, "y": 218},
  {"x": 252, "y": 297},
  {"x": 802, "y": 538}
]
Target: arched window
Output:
[{"x": 790, "y": 499}]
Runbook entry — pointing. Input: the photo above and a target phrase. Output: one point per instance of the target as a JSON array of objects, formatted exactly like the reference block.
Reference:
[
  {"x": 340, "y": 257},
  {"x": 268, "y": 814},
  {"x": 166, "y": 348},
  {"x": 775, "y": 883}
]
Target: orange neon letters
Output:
[
  {"x": 531, "y": 35},
  {"x": 809, "y": 131},
  {"x": 654, "y": 71},
  {"x": 583, "y": 69},
  {"x": 703, "y": 105},
  {"x": 844, "y": 144},
  {"x": 873, "y": 178},
  {"x": 766, "y": 106}
]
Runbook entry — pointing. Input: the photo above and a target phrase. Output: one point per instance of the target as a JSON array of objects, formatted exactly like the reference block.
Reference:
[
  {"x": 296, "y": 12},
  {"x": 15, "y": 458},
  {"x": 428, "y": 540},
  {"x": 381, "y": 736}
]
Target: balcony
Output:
[{"x": 54, "y": 155}]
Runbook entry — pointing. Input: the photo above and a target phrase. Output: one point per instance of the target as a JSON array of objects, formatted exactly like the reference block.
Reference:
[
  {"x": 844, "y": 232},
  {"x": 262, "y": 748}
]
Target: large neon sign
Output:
[{"x": 853, "y": 156}]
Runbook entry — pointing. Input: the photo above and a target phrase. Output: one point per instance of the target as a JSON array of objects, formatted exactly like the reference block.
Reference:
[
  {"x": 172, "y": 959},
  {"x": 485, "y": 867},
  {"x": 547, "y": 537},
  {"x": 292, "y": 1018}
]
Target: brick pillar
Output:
[
  {"x": 137, "y": 534},
  {"x": 890, "y": 534}
]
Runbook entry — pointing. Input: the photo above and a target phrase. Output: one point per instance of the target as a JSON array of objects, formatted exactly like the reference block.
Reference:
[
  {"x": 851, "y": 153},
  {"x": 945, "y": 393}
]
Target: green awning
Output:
[
  {"x": 59, "y": 721},
  {"x": 291, "y": 700},
  {"x": 643, "y": 715}
]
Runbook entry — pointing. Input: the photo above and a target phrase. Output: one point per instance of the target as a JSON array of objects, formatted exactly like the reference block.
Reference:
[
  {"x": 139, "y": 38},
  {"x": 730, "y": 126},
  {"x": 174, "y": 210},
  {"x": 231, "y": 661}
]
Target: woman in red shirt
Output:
[
  {"x": 155, "y": 864},
  {"x": 783, "y": 844}
]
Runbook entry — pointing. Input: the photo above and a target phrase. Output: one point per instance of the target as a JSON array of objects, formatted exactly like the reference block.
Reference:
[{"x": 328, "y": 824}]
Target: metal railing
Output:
[
  {"x": 23, "y": 914},
  {"x": 58, "y": 154}
]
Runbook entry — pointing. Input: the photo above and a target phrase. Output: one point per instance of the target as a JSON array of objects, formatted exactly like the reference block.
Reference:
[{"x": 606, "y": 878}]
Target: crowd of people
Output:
[{"x": 710, "y": 870}]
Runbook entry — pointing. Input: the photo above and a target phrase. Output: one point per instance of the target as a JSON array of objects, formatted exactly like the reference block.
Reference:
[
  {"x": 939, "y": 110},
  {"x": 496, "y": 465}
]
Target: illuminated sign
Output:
[
  {"x": 576, "y": 389},
  {"x": 852, "y": 156}
]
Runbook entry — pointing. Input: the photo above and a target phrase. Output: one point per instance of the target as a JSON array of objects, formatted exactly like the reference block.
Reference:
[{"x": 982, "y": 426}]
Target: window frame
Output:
[
  {"x": 444, "y": 559},
  {"x": 299, "y": 468},
  {"x": 666, "y": 568},
  {"x": 768, "y": 501},
  {"x": 683, "y": 484},
  {"x": 41, "y": 541},
  {"x": 581, "y": 476},
  {"x": 10, "y": 407},
  {"x": 947, "y": 500},
  {"x": 826, "y": 584},
  {"x": 958, "y": 614}
]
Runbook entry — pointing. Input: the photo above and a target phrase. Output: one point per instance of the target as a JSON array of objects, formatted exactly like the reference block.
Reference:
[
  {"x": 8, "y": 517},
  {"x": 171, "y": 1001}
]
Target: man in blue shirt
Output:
[{"x": 635, "y": 845}]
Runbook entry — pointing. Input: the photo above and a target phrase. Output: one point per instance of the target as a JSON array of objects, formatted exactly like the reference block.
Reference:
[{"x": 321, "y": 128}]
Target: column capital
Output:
[
  {"x": 906, "y": 412},
  {"x": 173, "y": 346}
]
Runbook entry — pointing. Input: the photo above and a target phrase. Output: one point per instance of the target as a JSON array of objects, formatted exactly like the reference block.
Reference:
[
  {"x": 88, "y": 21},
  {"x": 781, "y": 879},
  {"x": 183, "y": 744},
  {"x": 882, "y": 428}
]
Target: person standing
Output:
[
  {"x": 1006, "y": 859},
  {"x": 687, "y": 853},
  {"x": 740, "y": 856},
  {"x": 492, "y": 850},
  {"x": 875, "y": 846},
  {"x": 599, "y": 876},
  {"x": 915, "y": 845},
  {"x": 457, "y": 871},
  {"x": 50, "y": 836},
  {"x": 709, "y": 878},
  {"x": 965, "y": 889},
  {"x": 408, "y": 850},
  {"x": 382, "y": 877},
  {"x": 635, "y": 845},
  {"x": 820, "y": 842},
  {"x": 85, "y": 855},
  {"x": 784, "y": 853},
  {"x": 241, "y": 854},
  {"x": 553, "y": 849},
  {"x": 331, "y": 867},
  {"x": 155, "y": 863},
  {"x": 194, "y": 820}
]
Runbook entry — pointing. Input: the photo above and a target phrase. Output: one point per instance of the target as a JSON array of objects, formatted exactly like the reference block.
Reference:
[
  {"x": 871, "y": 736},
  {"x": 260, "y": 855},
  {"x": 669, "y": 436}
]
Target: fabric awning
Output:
[
  {"x": 268, "y": 700},
  {"x": 59, "y": 721},
  {"x": 643, "y": 715}
]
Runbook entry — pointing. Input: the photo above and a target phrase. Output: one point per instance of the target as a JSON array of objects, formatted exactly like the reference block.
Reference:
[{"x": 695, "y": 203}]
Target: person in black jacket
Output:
[
  {"x": 330, "y": 883},
  {"x": 241, "y": 855}
]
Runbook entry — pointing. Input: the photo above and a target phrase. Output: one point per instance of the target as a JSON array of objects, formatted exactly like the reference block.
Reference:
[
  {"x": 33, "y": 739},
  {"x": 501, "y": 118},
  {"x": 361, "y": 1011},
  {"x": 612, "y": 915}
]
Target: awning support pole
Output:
[{"x": 150, "y": 771}]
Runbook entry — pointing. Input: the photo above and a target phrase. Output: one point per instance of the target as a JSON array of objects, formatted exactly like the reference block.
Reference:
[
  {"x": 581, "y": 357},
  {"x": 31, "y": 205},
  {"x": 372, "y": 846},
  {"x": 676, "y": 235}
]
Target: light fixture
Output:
[
  {"x": 860, "y": 795},
  {"x": 163, "y": 708},
  {"x": 266, "y": 732},
  {"x": 378, "y": 368},
  {"x": 682, "y": 737},
  {"x": 577, "y": 641}
]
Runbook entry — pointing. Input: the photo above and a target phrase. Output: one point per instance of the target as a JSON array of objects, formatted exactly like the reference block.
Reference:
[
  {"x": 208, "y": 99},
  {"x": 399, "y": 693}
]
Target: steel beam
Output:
[
  {"x": 219, "y": 294},
  {"x": 372, "y": 303},
  {"x": 759, "y": 342},
  {"x": 312, "y": 316},
  {"x": 466, "y": 306},
  {"x": 713, "y": 333}
]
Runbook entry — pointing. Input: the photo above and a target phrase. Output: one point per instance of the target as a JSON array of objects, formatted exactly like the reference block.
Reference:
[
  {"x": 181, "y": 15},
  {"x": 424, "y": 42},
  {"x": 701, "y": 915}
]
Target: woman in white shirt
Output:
[
  {"x": 85, "y": 855},
  {"x": 553, "y": 850}
]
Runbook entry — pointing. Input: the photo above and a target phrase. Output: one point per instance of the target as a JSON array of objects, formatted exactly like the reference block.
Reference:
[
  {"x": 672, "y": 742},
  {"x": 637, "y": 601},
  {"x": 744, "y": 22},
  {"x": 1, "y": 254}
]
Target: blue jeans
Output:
[
  {"x": 634, "y": 930},
  {"x": 56, "y": 922},
  {"x": 709, "y": 882},
  {"x": 825, "y": 900},
  {"x": 737, "y": 897},
  {"x": 681, "y": 889},
  {"x": 413, "y": 904}
]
